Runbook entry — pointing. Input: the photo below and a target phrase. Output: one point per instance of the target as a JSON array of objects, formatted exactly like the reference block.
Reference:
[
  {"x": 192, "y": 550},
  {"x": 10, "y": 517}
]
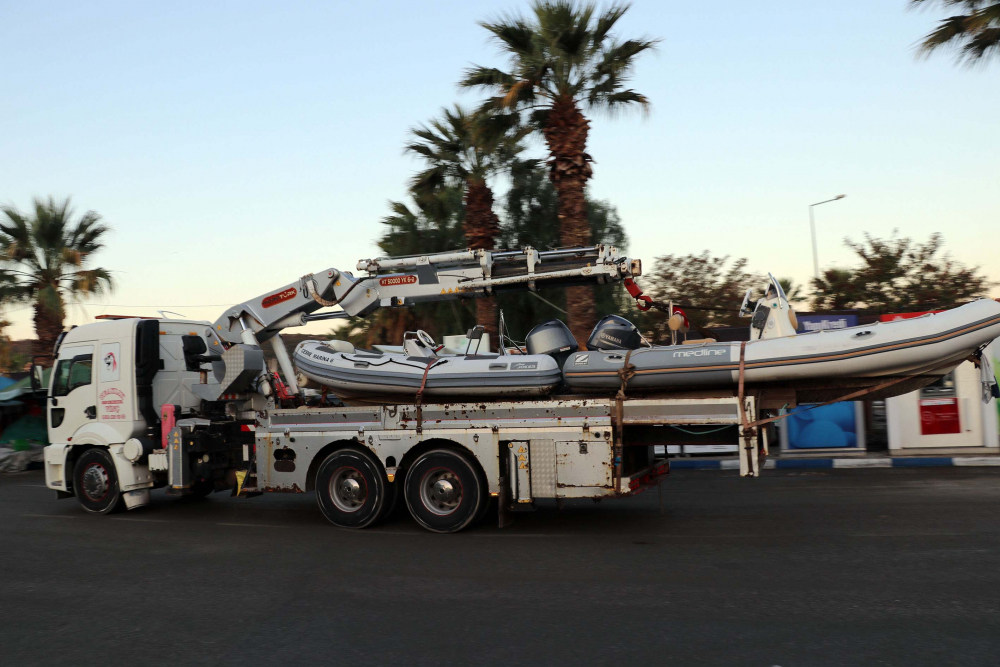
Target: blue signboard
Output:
[
  {"x": 816, "y": 322},
  {"x": 830, "y": 427}
]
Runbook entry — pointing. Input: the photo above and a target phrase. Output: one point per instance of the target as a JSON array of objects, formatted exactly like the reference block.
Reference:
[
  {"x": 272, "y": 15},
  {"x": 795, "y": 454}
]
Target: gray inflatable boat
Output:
[
  {"x": 358, "y": 374},
  {"x": 922, "y": 348}
]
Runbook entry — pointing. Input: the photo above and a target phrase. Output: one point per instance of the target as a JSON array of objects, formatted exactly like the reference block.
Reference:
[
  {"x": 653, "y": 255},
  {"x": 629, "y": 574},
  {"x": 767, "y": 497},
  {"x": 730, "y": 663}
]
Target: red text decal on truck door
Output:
[
  {"x": 397, "y": 280},
  {"x": 111, "y": 404},
  {"x": 275, "y": 299}
]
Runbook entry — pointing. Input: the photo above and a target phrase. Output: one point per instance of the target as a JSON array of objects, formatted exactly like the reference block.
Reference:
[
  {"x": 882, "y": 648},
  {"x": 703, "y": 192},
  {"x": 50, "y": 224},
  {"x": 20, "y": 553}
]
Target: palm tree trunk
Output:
[
  {"x": 48, "y": 326},
  {"x": 569, "y": 169},
  {"x": 481, "y": 226}
]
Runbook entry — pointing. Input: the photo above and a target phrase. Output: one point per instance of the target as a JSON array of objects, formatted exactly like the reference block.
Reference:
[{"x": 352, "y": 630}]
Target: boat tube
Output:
[
  {"x": 818, "y": 362},
  {"x": 358, "y": 373}
]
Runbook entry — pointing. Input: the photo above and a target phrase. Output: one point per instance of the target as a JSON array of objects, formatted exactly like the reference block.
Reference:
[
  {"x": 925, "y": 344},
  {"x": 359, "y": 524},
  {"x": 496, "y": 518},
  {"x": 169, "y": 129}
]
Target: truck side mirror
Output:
[{"x": 37, "y": 376}]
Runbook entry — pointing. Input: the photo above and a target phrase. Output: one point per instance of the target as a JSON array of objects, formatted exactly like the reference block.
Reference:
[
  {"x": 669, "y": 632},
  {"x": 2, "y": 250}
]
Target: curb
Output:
[{"x": 886, "y": 462}]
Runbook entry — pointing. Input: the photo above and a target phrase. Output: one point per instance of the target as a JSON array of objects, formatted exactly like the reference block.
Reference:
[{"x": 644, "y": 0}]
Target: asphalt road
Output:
[{"x": 840, "y": 567}]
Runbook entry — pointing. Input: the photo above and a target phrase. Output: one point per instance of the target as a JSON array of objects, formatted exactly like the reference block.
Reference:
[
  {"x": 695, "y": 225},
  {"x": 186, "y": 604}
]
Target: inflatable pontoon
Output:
[{"x": 421, "y": 368}]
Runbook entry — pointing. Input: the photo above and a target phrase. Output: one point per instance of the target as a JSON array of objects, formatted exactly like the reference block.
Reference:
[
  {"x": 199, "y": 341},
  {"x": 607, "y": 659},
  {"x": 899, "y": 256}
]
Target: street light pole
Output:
[{"x": 812, "y": 226}]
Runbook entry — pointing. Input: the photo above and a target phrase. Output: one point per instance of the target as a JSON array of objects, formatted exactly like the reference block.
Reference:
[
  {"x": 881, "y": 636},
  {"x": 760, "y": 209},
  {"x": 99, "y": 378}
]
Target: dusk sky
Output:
[{"x": 234, "y": 147}]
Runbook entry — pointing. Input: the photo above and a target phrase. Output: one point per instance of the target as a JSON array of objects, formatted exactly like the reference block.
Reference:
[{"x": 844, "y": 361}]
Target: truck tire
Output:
[
  {"x": 95, "y": 482},
  {"x": 443, "y": 491},
  {"x": 201, "y": 489},
  {"x": 351, "y": 489}
]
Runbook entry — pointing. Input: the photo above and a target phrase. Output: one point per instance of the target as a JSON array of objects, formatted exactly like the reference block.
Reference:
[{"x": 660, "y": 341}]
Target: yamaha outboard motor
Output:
[
  {"x": 552, "y": 338},
  {"x": 614, "y": 333}
]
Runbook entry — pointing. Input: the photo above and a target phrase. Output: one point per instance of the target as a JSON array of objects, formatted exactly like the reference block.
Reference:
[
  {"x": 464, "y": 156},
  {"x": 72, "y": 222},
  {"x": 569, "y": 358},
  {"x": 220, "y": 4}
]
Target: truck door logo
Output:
[{"x": 110, "y": 362}]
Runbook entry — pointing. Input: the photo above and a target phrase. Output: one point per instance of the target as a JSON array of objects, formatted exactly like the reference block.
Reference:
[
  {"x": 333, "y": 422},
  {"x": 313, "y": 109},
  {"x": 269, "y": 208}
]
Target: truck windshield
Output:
[{"x": 73, "y": 373}]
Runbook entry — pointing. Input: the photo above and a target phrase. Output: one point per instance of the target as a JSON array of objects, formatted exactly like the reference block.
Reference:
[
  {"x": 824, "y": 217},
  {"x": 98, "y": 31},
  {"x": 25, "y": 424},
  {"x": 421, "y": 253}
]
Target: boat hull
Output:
[{"x": 930, "y": 345}]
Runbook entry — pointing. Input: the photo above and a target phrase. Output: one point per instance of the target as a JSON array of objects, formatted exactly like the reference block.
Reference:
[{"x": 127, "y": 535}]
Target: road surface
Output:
[{"x": 838, "y": 567}]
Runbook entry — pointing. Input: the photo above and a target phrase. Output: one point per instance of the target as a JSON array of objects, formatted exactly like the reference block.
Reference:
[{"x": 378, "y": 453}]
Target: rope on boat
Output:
[
  {"x": 420, "y": 393},
  {"x": 627, "y": 371}
]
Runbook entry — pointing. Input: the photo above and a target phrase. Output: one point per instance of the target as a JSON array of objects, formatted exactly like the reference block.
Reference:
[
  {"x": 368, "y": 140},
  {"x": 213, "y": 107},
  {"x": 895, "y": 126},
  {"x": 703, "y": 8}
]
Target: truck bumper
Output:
[
  {"x": 55, "y": 467},
  {"x": 646, "y": 478}
]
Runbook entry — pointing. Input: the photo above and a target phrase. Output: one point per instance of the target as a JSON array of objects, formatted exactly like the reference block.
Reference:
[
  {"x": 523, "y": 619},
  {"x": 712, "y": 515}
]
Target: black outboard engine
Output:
[
  {"x": 614, "y": 333},
  {"x": 552, "y": 338}
]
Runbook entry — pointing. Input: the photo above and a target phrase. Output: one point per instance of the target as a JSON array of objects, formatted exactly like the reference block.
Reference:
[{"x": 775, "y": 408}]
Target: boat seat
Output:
[{"x": 340, "y": 346}]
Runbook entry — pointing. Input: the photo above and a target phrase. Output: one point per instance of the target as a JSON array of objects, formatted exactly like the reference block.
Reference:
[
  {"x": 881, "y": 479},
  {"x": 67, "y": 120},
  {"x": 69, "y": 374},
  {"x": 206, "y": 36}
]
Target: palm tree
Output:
[
  {"x": 561, "y": 60},
  {"x": 975, "y": 33},
  {"x": 42, "y": 260},
  {"x": 465, "y": 150}
]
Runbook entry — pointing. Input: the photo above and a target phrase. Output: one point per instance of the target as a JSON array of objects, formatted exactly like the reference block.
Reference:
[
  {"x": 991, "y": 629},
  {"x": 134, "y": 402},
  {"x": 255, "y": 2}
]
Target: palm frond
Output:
[
  {"x": 974, "y": 35},
  {"x": 607, "y": 21},
  {"x": 486, "y": 77}
]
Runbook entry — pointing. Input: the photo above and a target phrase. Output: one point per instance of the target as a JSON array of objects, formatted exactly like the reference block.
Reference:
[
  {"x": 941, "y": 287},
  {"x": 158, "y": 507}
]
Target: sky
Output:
[{"x": 234, "y": 147}]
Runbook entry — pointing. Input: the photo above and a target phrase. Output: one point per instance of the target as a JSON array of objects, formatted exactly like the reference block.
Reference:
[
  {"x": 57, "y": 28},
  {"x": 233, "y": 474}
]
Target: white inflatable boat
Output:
[
  {"x": 819, "y": 363},
  {"x": 359, "y": 374}
]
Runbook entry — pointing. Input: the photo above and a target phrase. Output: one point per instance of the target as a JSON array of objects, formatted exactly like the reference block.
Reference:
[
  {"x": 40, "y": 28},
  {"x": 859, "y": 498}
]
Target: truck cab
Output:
[{"x": 108, "y": 382}]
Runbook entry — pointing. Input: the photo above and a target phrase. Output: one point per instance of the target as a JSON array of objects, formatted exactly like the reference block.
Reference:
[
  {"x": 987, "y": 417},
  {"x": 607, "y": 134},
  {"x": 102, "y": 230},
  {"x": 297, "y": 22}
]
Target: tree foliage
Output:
[
  {"x": 528, "y": 216},
  {"x": 712, "y": 287},
  {"x": 564, "y": 52},
  {"x": 563, "y": 57},
  {"x": 43, "y": 261},
  {"x": 898, "y": 275},
  {"x": 974, "y": 34}
]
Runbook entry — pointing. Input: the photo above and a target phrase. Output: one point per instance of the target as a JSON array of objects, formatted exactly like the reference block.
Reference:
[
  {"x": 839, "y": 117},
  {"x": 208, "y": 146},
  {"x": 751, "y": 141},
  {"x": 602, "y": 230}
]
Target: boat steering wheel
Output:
[{"x": 426, "y": 339}]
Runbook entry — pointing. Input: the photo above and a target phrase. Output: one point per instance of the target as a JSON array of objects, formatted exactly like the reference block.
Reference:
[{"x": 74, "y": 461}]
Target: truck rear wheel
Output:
[
  {"x": 95, "y": 482},
  {"x": 351, "y": 489},
  {"x": 443, "y": 491}
]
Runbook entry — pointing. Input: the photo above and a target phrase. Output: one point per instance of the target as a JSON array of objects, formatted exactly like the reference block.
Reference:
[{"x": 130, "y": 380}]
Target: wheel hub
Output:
[
  {"x": 95, "y": 482},
  {"x": 348, "y": 490},
  {"x": 441, "y": 491}
]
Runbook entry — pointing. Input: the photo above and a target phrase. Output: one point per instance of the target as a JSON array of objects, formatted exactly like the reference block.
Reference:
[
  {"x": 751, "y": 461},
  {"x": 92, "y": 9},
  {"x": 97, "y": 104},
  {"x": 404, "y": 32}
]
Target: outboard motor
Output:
[
  {"x": 614, "y": 333},
  {"x": 552, "y": 338}
]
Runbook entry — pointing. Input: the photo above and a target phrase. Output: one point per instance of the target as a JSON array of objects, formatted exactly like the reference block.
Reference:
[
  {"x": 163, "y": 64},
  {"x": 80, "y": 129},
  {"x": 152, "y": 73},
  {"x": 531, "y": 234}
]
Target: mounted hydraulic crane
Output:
[{"x": 394, "y": 282}]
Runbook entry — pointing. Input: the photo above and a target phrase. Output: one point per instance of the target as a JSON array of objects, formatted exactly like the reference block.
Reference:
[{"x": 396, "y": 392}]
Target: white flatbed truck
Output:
[{"x": 137, "y": 404}]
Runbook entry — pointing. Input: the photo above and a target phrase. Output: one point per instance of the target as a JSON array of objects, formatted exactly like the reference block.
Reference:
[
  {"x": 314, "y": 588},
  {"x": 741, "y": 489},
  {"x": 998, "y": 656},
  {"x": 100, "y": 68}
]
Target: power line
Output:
[{"x": 159, "y": 305}]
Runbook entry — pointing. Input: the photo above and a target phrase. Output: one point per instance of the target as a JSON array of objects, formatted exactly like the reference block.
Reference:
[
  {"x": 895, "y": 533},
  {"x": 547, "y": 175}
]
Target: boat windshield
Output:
[{"x": 776, "y": 286}]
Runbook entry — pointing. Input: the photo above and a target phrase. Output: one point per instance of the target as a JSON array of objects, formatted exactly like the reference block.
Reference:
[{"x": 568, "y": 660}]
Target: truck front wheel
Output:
[
  {"x": 444, "y": 491},
  {"x": 95, "y": 482},
  {"x": 351, "y": 488}
]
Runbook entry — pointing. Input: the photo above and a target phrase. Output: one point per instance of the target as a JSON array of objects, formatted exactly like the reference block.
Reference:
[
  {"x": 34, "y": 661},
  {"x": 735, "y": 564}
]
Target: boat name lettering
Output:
[
  {"x": 275, "y": 299},
  {"x": 706, "y": 352},
  {"x": 397, "y": 280},
  {"x": 524, "y": 366}
]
